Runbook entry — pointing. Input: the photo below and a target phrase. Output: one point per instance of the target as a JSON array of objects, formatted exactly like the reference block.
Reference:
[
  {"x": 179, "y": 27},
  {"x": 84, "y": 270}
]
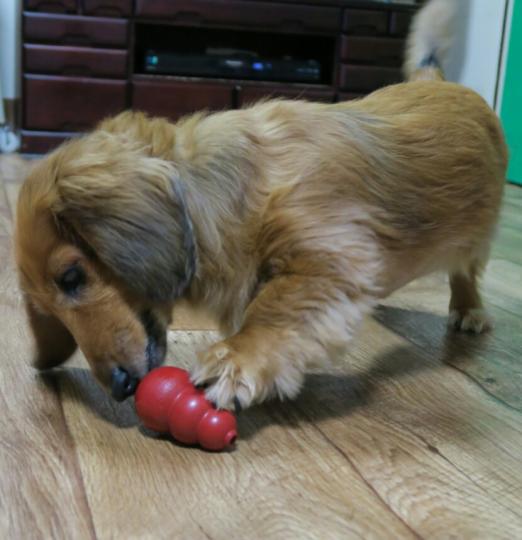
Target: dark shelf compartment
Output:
[{"x": 197, "y": 41}]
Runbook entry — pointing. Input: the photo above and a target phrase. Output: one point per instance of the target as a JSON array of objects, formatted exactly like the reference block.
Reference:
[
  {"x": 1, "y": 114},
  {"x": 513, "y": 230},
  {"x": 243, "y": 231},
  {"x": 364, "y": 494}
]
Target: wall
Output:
[
  {"x": 510, "y": 110},
  {"x": 474, "y": 60},
  {"x": 9, "y": 48}
]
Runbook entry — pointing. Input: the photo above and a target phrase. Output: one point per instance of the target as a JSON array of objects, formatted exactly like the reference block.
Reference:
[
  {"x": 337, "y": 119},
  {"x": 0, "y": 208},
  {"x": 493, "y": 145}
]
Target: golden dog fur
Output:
[{"x": 286, "y": 220}]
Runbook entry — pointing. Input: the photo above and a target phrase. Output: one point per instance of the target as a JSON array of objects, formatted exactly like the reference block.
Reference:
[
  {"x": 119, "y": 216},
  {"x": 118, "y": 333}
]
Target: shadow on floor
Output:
[
  {"x": 325, "y": 395},
  {"x": 77, "y": 385},
  {"x": 491, "y": 359}
]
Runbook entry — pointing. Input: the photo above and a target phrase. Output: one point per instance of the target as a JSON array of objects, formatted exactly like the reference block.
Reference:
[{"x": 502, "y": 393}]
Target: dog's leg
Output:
[
  {"x": 294, "y": 322},
  {"x": 466, "y": 310}
]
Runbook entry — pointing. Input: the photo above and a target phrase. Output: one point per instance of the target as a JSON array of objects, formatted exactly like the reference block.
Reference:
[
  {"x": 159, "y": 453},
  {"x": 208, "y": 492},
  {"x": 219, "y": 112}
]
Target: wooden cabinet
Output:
[
  {"x": 365, "y": 22},
  {"x": 276, "y": 17},
  {"x": 248, "y": 94},
  {"x": 70, "y": 103},
  {"x": 87, "y": 59},
  {"x": 107, "y": 8},
  {"x": 39, "y": 142},
  {"x": 367, "y": 78},
  {"x": 52, "y": 6},
  {"x": 75, "y": 30},
  {"x": 381, "y": 51},
  {"x": 400, "y": 23},
  {"x": 348, "y": 96},
  {"x": 80, "y": 61},
  {"x": 372, "y": 47},
  {"x": 172, "y": 98}
]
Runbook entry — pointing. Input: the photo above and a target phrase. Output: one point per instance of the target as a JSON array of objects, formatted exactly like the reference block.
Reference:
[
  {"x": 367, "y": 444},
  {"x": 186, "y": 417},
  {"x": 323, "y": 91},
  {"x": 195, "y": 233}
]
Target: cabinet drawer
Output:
[
  {"x": 51, "y": 59},
  {"x": 51, "y": 6},
  {"x": 108, "y": 8},
  {"x": 365, "y": 22},
  {"x": 348, "y": 96},
  {"x": 279, "y": 17},
  {"x": 41, "y": 142},
  {"x": 372, "y": 50},
  {"x": 367, "y": 78},
  {"x": 75, "y": 30},
  {"x": 400, "y": 23},
  {"x": 250, "y": 94},
  {"x": 70, "y": 104},
  {"x": 173, "y": 99}
]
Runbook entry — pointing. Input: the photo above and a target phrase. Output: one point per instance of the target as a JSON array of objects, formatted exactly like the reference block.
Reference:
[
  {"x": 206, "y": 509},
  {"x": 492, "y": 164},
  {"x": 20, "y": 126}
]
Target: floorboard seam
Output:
[
  {"x": 6, "y": 199},
  {"x": 475, "y": 381},
  {"x": 77, "y": 468},
  {"x": 365, "y": 481},
  {"x": 437, "y": 452}
]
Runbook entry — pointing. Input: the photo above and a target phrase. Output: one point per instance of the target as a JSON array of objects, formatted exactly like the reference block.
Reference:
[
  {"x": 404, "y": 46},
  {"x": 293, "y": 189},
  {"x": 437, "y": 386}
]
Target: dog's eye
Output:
[{"x": 71, "y": 280}]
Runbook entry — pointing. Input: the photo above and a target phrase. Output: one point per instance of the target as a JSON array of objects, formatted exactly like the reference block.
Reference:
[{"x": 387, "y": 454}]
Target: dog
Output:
[{"x": 286, "y": 220}]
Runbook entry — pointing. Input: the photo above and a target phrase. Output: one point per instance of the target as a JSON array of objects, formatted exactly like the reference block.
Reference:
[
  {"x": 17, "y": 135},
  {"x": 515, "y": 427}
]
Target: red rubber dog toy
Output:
[{"x": 166, "y": 401}]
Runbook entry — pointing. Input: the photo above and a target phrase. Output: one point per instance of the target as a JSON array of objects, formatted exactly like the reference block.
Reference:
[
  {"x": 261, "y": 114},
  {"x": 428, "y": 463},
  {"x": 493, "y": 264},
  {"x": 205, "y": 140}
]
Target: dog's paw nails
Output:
[
  {"x": 228, "y": 383},
  {"x": 475, "y": 321},
  {"x": 232, "y": 393}
]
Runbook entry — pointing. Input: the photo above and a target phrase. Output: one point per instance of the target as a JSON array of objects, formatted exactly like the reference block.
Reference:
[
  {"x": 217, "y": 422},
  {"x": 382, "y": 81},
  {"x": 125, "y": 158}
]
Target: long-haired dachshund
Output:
[{"x": 286, "y": 220}]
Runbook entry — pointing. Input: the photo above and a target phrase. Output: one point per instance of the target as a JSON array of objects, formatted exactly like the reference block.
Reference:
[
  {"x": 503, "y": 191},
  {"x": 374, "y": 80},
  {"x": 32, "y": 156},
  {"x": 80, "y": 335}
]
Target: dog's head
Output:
[{"x": 104, "y": 246}]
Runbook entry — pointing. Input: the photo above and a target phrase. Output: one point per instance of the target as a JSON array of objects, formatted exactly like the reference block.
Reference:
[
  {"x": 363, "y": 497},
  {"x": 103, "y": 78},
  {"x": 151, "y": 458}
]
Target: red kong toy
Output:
[{"x": 166, "y": 401}]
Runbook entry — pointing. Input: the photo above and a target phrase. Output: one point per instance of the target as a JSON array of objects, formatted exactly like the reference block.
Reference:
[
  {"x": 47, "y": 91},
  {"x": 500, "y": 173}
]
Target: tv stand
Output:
[{"x": 85, "y": 59}]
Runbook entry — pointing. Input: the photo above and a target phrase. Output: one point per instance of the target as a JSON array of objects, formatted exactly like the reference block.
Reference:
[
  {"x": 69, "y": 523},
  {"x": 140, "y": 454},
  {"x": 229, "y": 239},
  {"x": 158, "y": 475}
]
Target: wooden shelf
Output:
[{"x": 80, "y": 57}]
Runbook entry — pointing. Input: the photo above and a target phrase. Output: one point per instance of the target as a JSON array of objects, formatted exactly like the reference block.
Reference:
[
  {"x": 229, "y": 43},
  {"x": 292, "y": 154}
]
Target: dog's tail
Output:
[{"x": 430, "y": 38}]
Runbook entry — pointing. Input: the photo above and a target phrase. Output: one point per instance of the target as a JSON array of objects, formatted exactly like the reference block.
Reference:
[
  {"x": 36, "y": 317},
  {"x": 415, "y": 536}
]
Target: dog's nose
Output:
[{"x": 123, "y": 384}]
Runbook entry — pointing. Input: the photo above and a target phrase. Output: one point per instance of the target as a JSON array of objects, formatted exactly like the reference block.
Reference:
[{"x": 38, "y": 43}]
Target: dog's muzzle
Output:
[{"x": 123, "y": 384}]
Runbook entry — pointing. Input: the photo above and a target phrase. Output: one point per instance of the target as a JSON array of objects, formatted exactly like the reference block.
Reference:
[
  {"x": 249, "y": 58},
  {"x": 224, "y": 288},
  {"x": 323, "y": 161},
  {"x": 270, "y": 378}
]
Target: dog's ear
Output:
[
  {"x": 54, "y": 343},
  {"x": 131, "y": 212}
]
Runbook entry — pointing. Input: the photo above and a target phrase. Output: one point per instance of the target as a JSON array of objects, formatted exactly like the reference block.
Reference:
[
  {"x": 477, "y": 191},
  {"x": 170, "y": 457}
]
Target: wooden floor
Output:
[{"x": 417, "y": 434}]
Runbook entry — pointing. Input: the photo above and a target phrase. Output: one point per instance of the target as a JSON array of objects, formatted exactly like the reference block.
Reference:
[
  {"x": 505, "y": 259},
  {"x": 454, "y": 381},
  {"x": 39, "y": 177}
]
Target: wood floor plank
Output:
[
  {"x": 14, "y": 168},
  {"x": 419, "y": 313},
  {"x": 511, "y": 215},
  {"x": 502, "y": 285},
  {"x": 41, "y": 489},
  {"x": 284, "y": 480},
  {"x": 185, "y": 318},
  {"x": 5, "y": 214},
  {"x": 507, "y": 245},
  {"x": 12, "y": 189},
  {"x": 430, "y": 447},
  {"x": 513, "y": 194},
  {"x": 438, "y": 452},
  {"x": 418, "y": 433},
  {"x": 508, "y": 241}
]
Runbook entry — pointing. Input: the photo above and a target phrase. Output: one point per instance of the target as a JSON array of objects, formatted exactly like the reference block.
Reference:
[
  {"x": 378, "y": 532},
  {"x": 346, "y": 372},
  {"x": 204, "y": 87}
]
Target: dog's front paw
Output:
[
  {"x": 229, "y": 376},
  {"x": 235, "y": 377},
  {"x": 474, "y": 320}
]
